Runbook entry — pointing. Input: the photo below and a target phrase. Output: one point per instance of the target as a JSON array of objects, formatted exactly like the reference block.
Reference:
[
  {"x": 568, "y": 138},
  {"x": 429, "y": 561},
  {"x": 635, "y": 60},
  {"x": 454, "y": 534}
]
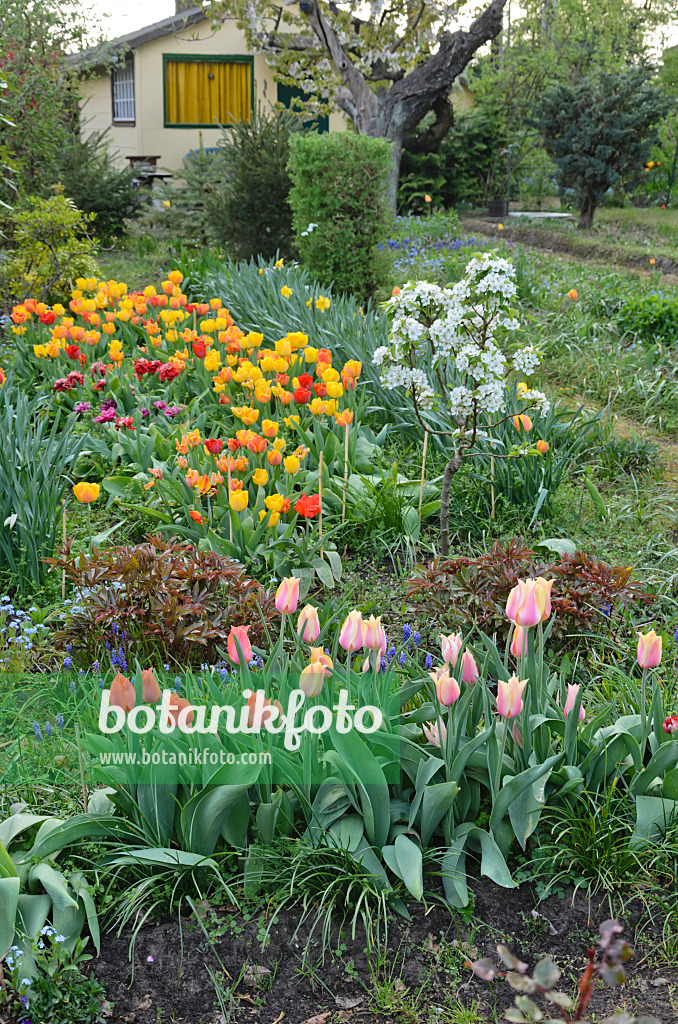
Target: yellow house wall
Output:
[{"x": 149, "y": 137}]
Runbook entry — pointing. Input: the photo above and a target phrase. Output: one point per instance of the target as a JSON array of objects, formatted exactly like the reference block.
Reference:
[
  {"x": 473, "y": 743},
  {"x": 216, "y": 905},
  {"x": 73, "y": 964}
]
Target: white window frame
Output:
[{"x": 122, "y": 93}]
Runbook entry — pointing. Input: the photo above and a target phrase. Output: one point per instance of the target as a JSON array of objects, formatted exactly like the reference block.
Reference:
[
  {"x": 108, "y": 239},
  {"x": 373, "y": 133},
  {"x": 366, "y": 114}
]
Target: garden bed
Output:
[{"x": 418, "y": 972}]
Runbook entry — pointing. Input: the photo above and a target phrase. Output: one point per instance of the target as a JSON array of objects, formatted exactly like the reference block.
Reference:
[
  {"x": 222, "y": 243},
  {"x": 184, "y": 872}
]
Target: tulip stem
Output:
[
  {"x": 283, "y": 616},
  {"x": 643, "y": 715},
  {"x": 348, "y": 674},
  {"x": 502, "y": 748},
  {"x": 82, "y": 769},
  {"x": 89, "y": 527}
]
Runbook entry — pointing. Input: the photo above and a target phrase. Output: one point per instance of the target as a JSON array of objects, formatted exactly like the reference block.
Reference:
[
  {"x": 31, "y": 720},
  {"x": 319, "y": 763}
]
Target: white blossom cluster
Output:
[{"x": 445, "y": 343}]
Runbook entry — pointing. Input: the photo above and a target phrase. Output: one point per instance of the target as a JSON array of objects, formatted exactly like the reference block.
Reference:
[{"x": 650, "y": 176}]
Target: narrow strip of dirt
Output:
[{"x": 572, "y": 245}]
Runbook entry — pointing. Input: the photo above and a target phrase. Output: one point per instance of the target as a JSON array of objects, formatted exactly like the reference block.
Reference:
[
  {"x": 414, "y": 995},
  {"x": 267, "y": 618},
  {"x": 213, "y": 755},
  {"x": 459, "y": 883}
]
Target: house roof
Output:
[{"x": 105, "y": 52}]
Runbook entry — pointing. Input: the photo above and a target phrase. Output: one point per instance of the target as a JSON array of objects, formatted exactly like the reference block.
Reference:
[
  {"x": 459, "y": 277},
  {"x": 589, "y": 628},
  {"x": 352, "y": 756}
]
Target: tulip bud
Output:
[
  {"x": 351, "y": 636},
  {"x": 572, "y": 692},
  {"x": 670, "y": 724},
  {"x": 649, "y": 649},
  {"x": 469, "y": 672},
  {"x": 176, "y": 706},
  {"x": 308, "y": 624},
  {"x": 519, "y": 643},
  {"x": 319, "y": 657},
  {"x": 287, "y": 595},
  {"x": 542, "y": 447},
  {"x": 510, "y": 696}
]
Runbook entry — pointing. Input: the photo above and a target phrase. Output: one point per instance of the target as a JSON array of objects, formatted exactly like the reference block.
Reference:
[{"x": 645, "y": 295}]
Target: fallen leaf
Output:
[
  {"x": 253, "y": 973},
  {"x": 247, "y": 999},
  {"x": 431, "y": 943},
  {"x": 145, "y": 1003},
  {"x": 348, "y": 1002},
  {"x": 318, "y": 1019}
]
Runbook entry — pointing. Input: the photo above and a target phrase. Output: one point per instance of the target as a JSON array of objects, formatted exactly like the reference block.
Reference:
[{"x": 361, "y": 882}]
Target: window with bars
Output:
[{"x": 122, "y": 87}]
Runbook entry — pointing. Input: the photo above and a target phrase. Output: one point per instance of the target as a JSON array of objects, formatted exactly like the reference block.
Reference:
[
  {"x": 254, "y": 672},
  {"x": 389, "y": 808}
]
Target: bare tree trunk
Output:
[
  {"x": 450, "y": 469},
  {"x": 586, "y": 212}
]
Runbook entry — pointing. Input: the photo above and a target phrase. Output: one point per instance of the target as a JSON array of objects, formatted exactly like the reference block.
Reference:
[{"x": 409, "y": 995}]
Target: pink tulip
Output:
[
  {"x": 287, "y": 595},
  {"x": 469, "y": 672},
  {"x": 450, "y": 646},
  {"x": 433, "y": 733},
  {"x": 351, "y": 636},
  {"x": 308, "y": 624},
  {"x": 649, "y": 649},
  {"x": 572, "y": 692},
  {"x": 510, "y": 696},
  {"x": 239, "y": 633},
  {"x": 529, "y": 603},
  {"x": 311, "y": 679},
  {"x": 374, "y": 637},
  {"x": 447, "y": 687},
  {"x": 519, "y": 643},
  {"x": 260, "y": 710},
  {"x": 150, "y": 692}
]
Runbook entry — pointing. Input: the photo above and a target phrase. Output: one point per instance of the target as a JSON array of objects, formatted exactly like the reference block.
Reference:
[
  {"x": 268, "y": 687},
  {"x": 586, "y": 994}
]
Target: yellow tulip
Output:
[{"x": 86, "y": 493}]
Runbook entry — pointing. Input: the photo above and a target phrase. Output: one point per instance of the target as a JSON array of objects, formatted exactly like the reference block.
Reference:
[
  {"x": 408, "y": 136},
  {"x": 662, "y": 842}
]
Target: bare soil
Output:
[{"x": 163, "y": 976}]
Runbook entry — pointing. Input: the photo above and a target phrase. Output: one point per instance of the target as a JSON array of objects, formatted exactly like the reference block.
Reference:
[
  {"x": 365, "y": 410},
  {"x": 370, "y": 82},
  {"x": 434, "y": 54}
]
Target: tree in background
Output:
[
  {"x": 557, "y": 41},
  {"x": 40, "y": 107},
  {"x": 385, "y": 71},
  {"x": 600, "y": 130}
]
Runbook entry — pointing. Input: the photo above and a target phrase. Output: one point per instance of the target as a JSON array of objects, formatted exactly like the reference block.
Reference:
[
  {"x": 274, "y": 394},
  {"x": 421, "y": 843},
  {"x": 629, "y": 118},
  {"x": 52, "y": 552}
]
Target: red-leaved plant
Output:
[
  {"x": 164, "y": 598},
  {"x": 586, "y": 592}
]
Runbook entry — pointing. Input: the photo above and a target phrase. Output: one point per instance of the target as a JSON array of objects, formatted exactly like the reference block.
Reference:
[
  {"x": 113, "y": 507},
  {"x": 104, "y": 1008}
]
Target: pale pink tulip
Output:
[
  {"x": 319, "y": 657},
  {"x": 308, "y": 624},
  {"x": 374, "y": 637},
  {"x": 239, "y": 633},
  {"x": 447, "y": 687},
  {"x": 649, "y": 649},
  {"x": 529, "y": 603},
  {"x": 351, "y": 636},
  {"x": 450, "y": 647},
  {"x": 311, "y": 679},
  {"x": 510, "y": 696},
  {"x": 572, "y": 692},
  {"x": 469, "y": 672},
  {"x": 287, "y": 595},
  {"x": 433, "y": 733}
]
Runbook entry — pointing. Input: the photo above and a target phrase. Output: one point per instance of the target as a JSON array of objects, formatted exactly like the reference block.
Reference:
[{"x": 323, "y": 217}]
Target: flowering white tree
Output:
[
  {"x": 450, "y": 350},
  {"x": 385, "y": 63}
]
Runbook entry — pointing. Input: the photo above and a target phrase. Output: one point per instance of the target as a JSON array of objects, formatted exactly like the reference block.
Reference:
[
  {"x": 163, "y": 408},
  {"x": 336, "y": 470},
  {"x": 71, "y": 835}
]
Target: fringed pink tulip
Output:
[
  {"x": 570, "y": 701},
  {"x": 649, "y": 649},
  {"x": 447, "y": 687},
  {"x": 287, "y": 595},
  {"x": 374, "y": 636},
  {"x": 308, "y": 624},
  {"x": 351, "y": 636},
  {"x": 239, "y": 633},
  {"x": 451, "y": 646},
  {"x": 510, "y": 696}
]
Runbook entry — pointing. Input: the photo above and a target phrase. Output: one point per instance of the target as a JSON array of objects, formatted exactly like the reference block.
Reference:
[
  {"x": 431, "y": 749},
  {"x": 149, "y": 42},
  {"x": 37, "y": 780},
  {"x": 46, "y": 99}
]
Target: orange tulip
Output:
[
  {"x": 86, "y": 493},
  {"x": 176, "y": 706},
  {"x": 572, "y": 294},
  {"x": 122, "y": 693},
  {"x": 150, "y": 693}
]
